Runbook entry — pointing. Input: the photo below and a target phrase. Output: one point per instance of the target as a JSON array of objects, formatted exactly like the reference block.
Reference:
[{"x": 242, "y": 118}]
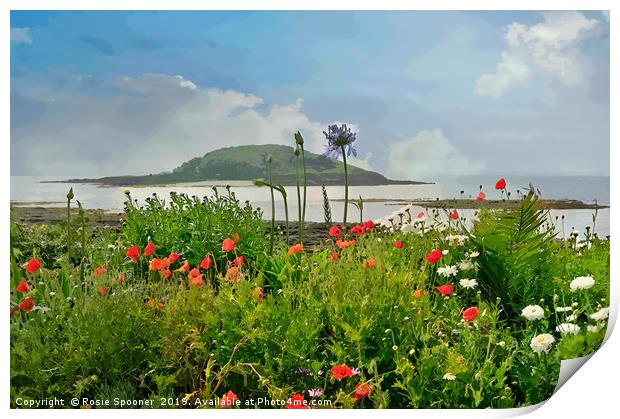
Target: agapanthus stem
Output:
[
  {"x": 303, "y": 213},
  {"x": 273, "y": 208},
  {"x": 346, "y": 187},
  {"x": 299, "y": 225}
]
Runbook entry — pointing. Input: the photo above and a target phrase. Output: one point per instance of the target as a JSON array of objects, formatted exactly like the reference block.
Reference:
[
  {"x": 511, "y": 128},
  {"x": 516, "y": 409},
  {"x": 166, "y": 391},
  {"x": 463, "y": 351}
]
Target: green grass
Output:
[{"x": 289, "y": 319}]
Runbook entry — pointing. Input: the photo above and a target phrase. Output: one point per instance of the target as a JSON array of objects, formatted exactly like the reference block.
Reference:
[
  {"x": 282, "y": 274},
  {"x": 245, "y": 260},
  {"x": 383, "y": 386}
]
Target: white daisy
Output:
[
  {"x": 533, "y": 312},
  {"x": 542, "y": 343},
  {"x": 602, "y": 314},
  {"x": 449, "y": 376},
  {"x": 468, "y": 283},
  {"x": 474, "y": 254},
  {"x": 447, "y": 271},
  {"x": 566, "y": 328},
  {"x": 563, "y": 309},
  {"x": 582, "y": 283},
  {"x": 592, "y": 328},
  {"x": 458, "y": 239},
  {"x": 409, "y": 228},
  {"x": 465, "y": 265}
]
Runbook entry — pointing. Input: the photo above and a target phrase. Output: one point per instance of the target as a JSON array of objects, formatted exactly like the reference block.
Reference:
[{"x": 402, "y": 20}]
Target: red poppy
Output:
[
  {"x": 470, "y": 314},
  {"x": 444, "y": 289},
  {"x": 370, "y": 263},
  {"x": 27, "y": 304},
  {"x": 121, "y": 278},
  {"x": 33, "y": 265},
  {"x": 133, "y": 253},
  {"x": 239, "y": 261},
  {"x": 341, "y": 371},
  {"x": 421, "y": 214},
  {"x": 154, "y": 264},
  {"x": 454, "y": 215},
  {"x": 228, "y": 399},
  {"x": 335, "y": 231},
  {"x": 228, "y": 245},
  {"x": 166, "y": 274},
  {"x": 358, "y": 230},
  {"x": 369, "y": 225},
  {"x": 481, "y": 197},
  {"x": 233, "y": 274},
  {"x": 433, "y": 256},
  {"x": 344, "y": 244},
  {"x": 362, "y": 390},
  {"x": 206, "y": 263},
  {"x": 174, "y": 257},
  {"x": 159, "y": 264},
  {"x": 501, "y": 184},
  {"x": 103, "y": 291},
  {"x": 100, "y": 270},
  {"x": 293, "y": 250},
  {"x": 148, "y": 250},
  {"x": 398, "y": 245},
  {"x": 23, "y": 287},
  {"x": 185, "y": 267},
  {"x": 297, "y": 401},
  {"x": 334, "y": 257},
  {"x": 195, "y": 277}
]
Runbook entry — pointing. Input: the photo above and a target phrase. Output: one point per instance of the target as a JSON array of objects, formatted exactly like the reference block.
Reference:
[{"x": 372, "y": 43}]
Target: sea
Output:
[{"x": 31, "y": 190}]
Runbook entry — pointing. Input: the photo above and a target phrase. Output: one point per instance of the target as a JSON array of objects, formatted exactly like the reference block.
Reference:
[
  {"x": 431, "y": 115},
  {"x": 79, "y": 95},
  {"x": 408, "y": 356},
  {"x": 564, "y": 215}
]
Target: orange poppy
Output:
[{"x": 293, "y": 250}]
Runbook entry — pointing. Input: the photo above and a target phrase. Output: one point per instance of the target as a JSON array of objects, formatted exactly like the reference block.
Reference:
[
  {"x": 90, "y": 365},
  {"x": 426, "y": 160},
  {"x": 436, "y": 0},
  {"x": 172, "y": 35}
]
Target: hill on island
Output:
[{"x": 248, "y": 162}]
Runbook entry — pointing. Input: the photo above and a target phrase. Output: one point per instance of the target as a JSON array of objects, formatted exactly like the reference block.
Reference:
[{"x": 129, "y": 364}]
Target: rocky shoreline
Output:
[{"x": 314, "y": 235}]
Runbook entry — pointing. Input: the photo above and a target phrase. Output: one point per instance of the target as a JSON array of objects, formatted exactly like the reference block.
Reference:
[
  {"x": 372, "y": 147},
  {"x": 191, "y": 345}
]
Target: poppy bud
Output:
[{"x": 70, "y": 194}]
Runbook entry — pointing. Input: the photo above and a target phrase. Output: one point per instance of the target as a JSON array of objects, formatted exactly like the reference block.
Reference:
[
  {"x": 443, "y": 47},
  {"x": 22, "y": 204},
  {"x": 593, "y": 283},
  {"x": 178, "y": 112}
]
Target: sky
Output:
[{"x": 430, "y": 94}]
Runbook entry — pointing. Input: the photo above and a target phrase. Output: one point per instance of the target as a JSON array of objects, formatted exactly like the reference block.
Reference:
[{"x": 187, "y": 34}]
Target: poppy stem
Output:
[
  {"x": 83, "y": 226},
  {"x": 346, "y": 187},
  {"x": 69, "y": 242},
  {"x": 283, "y": 192}
]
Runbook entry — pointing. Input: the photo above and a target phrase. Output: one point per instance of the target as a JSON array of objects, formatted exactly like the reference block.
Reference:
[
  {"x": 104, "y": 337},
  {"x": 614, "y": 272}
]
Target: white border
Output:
[{"x": 593, "y": 390}]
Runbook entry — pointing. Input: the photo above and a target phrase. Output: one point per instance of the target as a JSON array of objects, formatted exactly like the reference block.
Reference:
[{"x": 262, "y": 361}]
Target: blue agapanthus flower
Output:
[{"x": 337, "y": 138}]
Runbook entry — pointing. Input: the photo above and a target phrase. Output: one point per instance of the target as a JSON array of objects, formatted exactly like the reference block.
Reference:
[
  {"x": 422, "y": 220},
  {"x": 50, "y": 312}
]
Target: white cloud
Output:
[
  {"x": 550, "y": 48},
  {"x": 21, "y": 35},
  {"x": 360, "y": 162},
  {"x": 513, "y": 135},
  {"x": 149, "y": 124},
  {"x": 606, "y": 15},
  {"x": 428, "y": 154}
]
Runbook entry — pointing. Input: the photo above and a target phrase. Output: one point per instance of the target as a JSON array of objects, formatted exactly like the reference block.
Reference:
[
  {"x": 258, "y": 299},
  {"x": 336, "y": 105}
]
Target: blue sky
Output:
[{"x": 431, "y": 93}]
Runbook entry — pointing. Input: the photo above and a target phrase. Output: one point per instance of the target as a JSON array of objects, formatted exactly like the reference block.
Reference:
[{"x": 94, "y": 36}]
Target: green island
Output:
[{"x": 247, "y": 162}]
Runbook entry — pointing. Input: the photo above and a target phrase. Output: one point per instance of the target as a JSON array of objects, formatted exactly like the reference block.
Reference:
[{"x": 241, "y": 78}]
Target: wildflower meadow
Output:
[{"x": 196, "y": 302}]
